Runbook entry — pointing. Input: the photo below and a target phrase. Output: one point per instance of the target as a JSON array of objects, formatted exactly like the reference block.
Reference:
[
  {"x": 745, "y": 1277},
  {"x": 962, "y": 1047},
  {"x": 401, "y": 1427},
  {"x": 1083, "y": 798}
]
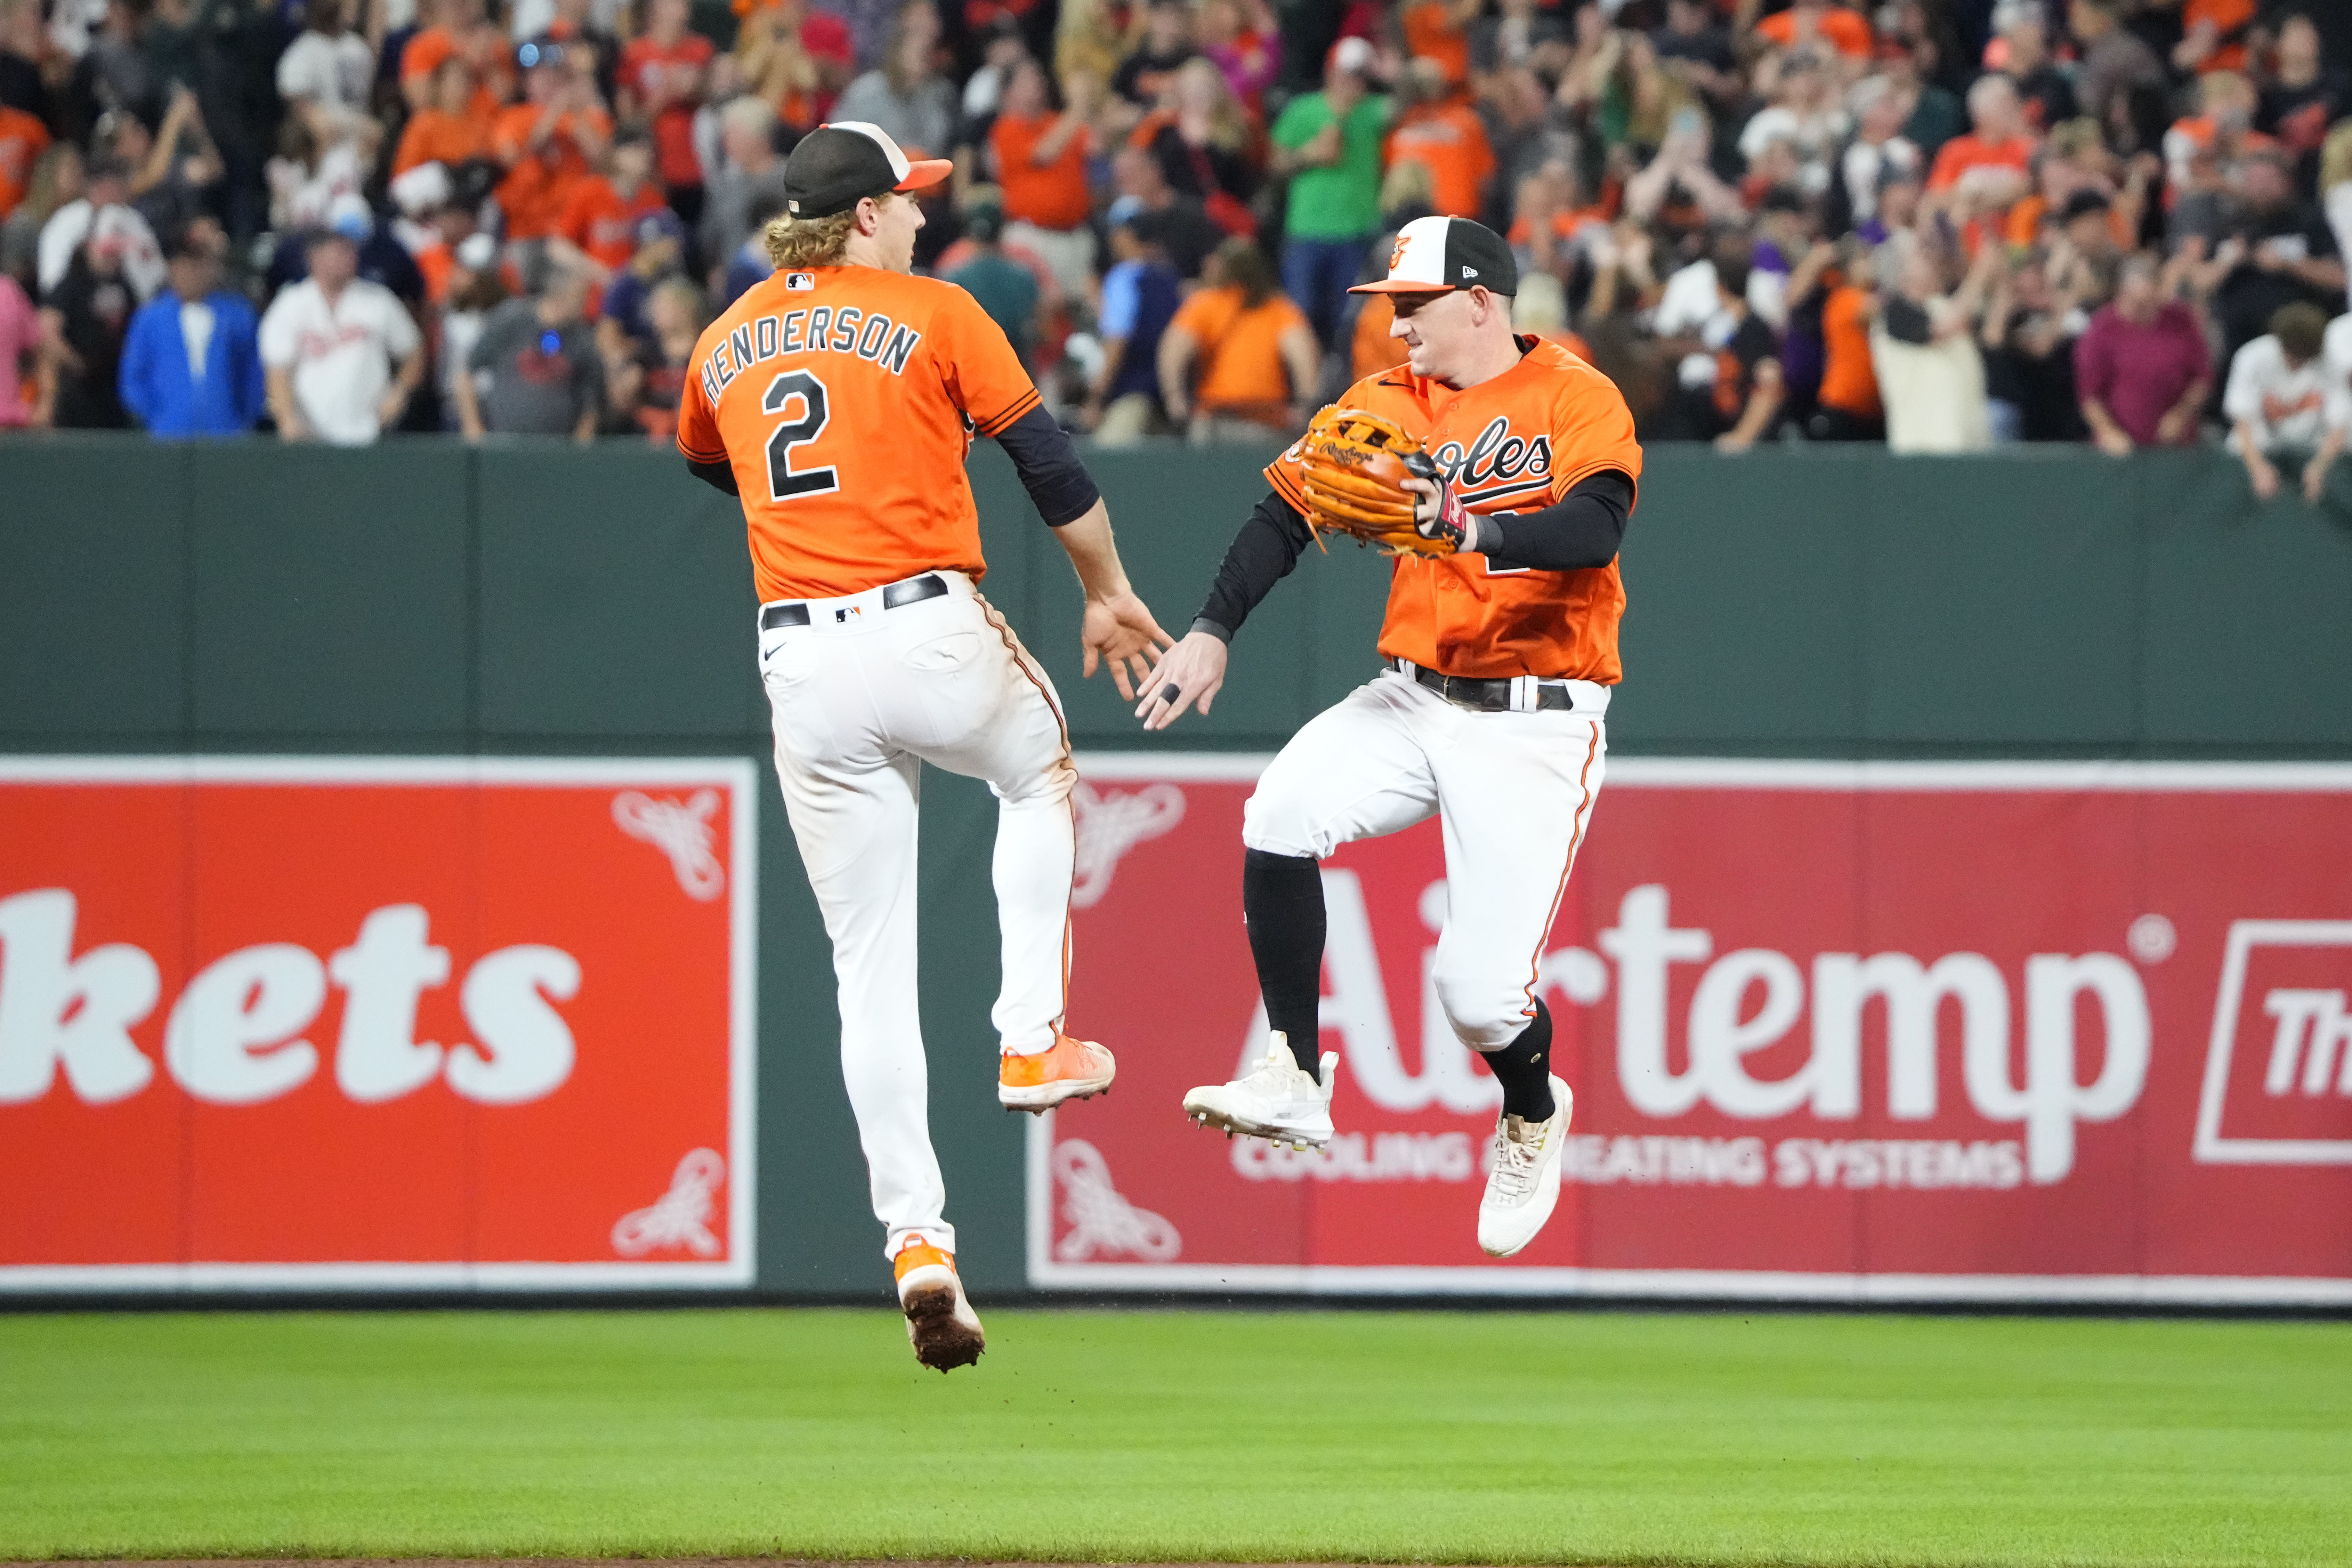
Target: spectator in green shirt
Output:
[
  {"x": 1002, "y": 286},
  {"x": 1328, "y": 143}
]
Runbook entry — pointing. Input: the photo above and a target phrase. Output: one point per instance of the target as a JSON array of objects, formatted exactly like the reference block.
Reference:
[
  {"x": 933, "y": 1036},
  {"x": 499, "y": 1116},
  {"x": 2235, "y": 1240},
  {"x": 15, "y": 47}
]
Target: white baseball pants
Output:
[
  {"x": 862, "y": 697},
  {"x": 1513, "y": 793}
]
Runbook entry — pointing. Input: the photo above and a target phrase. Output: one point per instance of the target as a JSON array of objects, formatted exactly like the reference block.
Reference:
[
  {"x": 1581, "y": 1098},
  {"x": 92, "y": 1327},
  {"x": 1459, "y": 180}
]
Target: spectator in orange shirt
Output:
[
  {"x": 1439, "y": 31},
  {"x": 550, "y": 142},
  {"x": 1842, "y": 29},
  {"x": 458, "y": 29},
  {"x": 1255, "y": 355},
  {"x": 661, "y": 79},
  {"x": 1847, "y": 407},
  {"x": 1041, "y": 165},
  {"x": 1987, "y": 169},
  {"x": 446, "y": 130},
  {"x": 2213, "y": 35},
  {"x": 1445, "y": 134},
  {"x": 23, "y": 140},
  {"x": 597, "y": 234}
]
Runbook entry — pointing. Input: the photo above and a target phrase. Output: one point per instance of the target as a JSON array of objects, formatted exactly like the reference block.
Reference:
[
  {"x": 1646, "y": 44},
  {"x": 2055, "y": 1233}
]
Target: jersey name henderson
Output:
[{"x": 816, "y": 329}]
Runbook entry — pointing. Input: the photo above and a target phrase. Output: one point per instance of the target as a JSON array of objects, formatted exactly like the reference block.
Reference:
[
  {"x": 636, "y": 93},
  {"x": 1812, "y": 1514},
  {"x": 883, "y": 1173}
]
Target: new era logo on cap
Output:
[
  {"x": 1436, "y": 254},
  {"x": 840, "y": 164}
]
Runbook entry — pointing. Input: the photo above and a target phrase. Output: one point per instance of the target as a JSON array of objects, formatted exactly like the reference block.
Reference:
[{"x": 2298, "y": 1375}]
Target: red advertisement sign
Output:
[
  {"x": 279, "y": 1023},
  {"x": 1857, "y": 1031}
]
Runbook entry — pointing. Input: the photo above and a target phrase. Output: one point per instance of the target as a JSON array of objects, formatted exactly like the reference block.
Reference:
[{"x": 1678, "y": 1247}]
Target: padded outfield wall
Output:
[{"x": 403, "y": 609}]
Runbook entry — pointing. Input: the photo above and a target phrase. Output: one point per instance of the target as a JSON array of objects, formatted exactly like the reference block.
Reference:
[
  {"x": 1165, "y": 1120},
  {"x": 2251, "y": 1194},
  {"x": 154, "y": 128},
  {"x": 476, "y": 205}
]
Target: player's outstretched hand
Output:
[
  {"x": 1190, "y": 673},
  {"x": 1120, "y": 629}
]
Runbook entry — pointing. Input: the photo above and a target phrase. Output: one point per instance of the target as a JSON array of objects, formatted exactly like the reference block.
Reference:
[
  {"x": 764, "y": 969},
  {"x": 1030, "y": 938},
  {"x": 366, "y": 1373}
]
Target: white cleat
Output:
[
  {"x": 1276, "y": 1100},
  {"x": 940, "y": 1323},
  {"x": 1524, "y": 1185}
]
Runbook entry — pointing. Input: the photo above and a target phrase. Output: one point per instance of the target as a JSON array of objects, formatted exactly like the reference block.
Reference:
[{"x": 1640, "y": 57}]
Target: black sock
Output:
[
  {"x": 1524, "y": 1069},
  {"x": 1282, "y": 900}
]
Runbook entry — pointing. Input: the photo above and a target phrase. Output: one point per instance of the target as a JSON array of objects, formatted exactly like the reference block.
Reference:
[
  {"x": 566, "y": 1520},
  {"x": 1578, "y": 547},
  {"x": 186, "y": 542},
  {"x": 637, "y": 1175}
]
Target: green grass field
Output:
[{"x": 1602, "y": 1437}]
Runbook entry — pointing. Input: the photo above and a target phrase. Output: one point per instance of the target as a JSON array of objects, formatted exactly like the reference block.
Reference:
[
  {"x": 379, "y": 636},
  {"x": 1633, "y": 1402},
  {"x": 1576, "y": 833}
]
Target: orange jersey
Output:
[
  {"x": 845, "y": 399},
  {"x": 603, "y": 223},
  {"x": 433, "y": 136},
  {"x": 1843, "y": 31},
  {"x": 2229, "y": 20},
  {"x": 1431, "y": 33},
  {"x": 493, "y": 77},
  {"x": 23, "y": 139},
  {"x": 1518, "y": 443},
  {"x": 1449, "y": 140},
  {"x": 540, "y": 183},
  {"x": 1052, "y": 195},
  {"x": 1962, "y": 153}
]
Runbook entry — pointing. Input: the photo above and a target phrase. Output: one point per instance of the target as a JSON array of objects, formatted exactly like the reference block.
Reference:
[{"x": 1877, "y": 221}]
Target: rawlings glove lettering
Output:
[{"x": 1352, "y": 465}]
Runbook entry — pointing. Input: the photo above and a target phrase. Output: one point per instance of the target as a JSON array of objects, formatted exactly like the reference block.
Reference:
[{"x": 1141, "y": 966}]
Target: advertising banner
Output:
[
  {"x": 1835, "y": 1030},
  {"x": 385, "y": 1023}
]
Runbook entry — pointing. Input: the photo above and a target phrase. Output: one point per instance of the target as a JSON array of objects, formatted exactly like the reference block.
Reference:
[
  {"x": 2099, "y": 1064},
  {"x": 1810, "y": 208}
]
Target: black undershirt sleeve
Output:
[
  {"x": 1583, "y": 528},
  {"x": 719, "y": 477},
  {"x": 1261, "y": 555},
  {"x": 1049, "y": 468}
]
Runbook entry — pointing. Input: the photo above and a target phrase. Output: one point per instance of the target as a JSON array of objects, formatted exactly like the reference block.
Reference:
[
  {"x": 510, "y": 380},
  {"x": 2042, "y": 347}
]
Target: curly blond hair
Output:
[{"x": 809, "y": 241}]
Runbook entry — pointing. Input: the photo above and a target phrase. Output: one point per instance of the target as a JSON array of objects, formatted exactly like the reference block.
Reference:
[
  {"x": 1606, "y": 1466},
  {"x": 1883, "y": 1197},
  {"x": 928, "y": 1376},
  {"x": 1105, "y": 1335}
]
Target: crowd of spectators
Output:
[{"x": 1938, "y": 224}]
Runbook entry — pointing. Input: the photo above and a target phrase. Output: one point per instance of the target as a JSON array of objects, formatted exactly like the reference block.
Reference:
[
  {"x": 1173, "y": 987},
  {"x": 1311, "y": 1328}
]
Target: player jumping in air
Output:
[
  {"x": 838, "y": 400},
  {"x": 1501, "y": 647}
]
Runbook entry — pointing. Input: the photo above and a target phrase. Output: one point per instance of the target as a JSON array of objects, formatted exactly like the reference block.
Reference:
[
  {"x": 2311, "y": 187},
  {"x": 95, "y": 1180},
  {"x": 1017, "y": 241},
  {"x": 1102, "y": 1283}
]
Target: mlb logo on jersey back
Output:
[
  {"x": 800, "y": 282},
  {"x": 2278, "y": 1068}
]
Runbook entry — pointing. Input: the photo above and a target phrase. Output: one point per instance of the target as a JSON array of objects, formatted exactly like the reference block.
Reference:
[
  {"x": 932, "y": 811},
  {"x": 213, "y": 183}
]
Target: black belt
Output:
[
  {"x": 1490, "y": 696},
  {"x": 913, "y": 591}
]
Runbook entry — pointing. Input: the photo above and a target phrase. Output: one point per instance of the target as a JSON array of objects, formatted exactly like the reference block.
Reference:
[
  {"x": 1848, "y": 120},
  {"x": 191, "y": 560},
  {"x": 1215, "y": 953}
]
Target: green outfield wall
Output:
[{"x": 422, "y": 598}]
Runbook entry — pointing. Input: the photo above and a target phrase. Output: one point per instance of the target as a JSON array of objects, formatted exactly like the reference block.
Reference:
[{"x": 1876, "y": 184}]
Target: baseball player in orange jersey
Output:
[
  {"x": 838, "y": 400},
  {"x": 1490, "y": 714}
]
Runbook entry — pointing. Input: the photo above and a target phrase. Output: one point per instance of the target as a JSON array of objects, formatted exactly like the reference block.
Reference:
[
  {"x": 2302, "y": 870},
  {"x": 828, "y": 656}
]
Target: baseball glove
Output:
[{"x": 1351, "y": 465}]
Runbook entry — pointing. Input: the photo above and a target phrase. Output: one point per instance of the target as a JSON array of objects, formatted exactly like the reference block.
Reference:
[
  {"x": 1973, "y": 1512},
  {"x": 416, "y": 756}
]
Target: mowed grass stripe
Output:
[{"x": 1156, "y": 1436}]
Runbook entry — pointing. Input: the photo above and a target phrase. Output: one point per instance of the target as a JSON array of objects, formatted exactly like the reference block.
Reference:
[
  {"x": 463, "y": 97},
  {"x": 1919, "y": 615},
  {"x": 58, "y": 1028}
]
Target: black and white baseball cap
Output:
[
  {"x": 1439, "y": 255},
  {"x": 839, "y": 165}
]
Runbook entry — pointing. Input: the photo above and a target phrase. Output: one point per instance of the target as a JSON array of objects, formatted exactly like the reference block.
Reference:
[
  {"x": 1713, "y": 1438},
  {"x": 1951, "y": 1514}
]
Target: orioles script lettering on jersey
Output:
[
  {"x": 820, "y": 329},
  {"x": 1496, "y": 457}
]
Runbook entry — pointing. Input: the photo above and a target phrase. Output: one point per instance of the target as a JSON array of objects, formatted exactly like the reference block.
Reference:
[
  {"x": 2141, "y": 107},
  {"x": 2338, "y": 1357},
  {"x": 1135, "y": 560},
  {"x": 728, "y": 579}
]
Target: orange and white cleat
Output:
[
  {"x": 1072, "y": 1070},
  {"x": 940, "y": 1324}
]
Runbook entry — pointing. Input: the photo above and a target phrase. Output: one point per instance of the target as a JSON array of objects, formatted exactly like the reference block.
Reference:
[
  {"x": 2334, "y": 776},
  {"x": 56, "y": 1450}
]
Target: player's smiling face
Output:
[{"x": 1433, "y": 328}]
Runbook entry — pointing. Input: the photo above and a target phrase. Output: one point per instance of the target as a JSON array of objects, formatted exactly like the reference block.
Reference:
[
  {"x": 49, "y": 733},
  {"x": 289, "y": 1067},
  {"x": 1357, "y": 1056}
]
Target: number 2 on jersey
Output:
[{"x": 784, "y": 484}]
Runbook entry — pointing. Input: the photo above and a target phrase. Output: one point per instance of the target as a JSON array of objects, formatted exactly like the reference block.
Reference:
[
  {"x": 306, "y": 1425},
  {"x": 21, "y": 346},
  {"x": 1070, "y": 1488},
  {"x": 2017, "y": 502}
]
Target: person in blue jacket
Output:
[{"x": 192, "y": 362}]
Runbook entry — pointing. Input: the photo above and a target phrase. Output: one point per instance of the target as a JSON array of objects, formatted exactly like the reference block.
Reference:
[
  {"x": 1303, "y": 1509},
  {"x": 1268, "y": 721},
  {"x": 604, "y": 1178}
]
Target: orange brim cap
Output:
[{"x": 923, "y": 172}]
